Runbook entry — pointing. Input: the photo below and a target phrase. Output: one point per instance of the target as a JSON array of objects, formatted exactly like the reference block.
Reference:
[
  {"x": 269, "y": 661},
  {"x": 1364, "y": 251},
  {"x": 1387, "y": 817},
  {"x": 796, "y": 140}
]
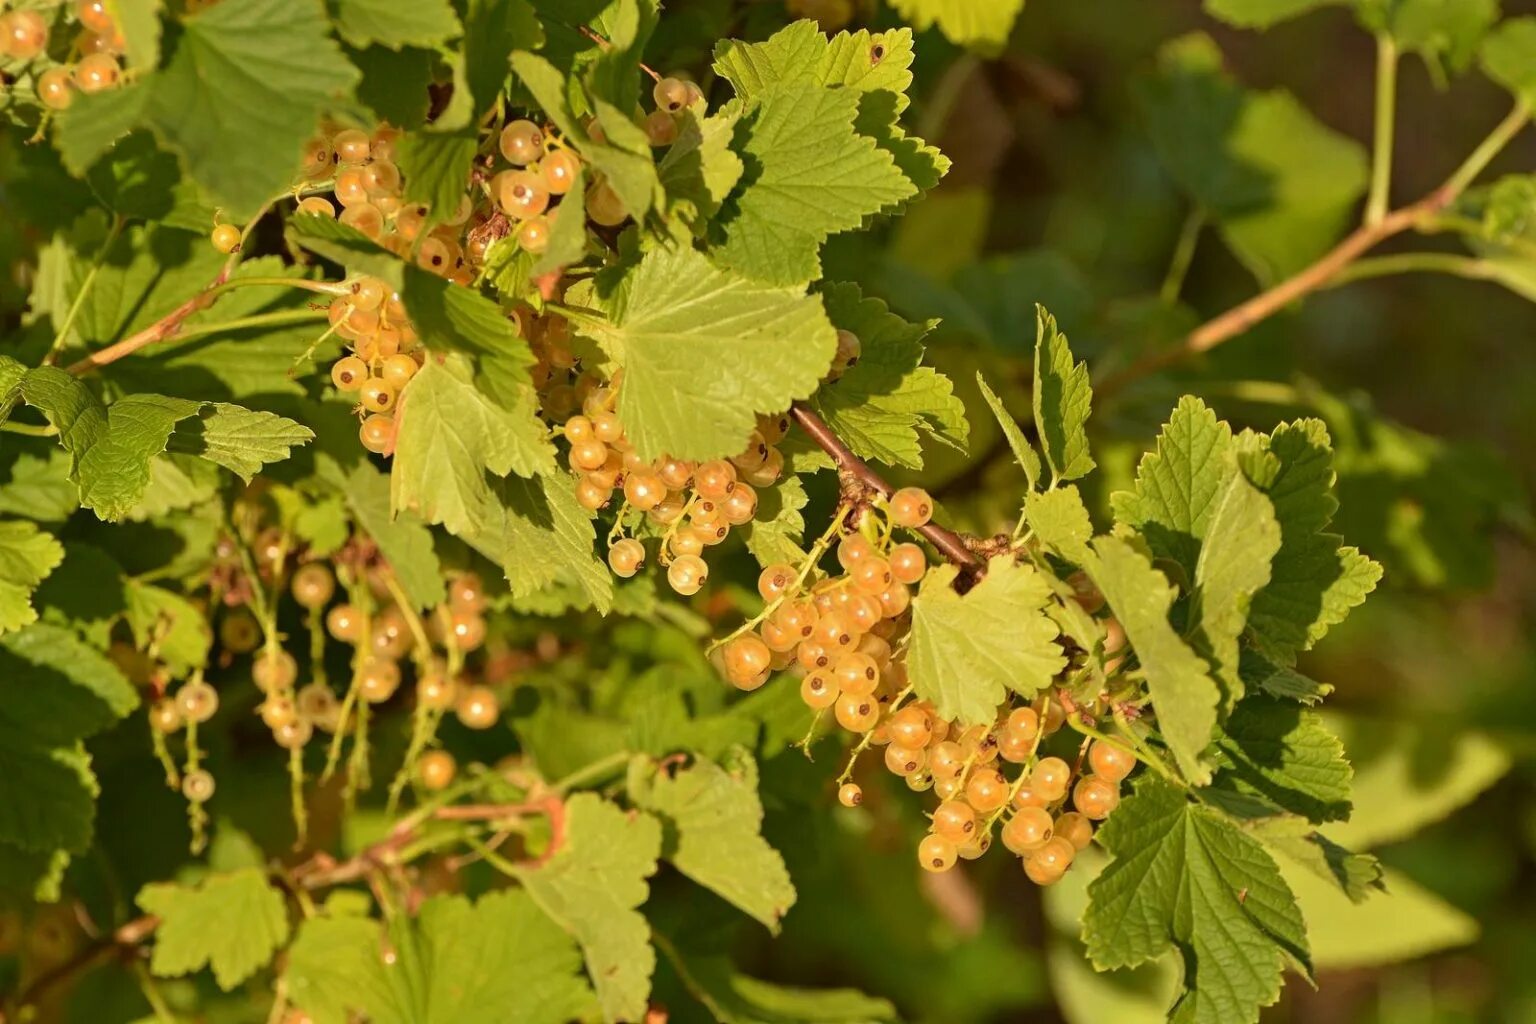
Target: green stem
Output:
[
  {"x": 29, "y": 429},
  {"x": 1489, "y": 148},
  {"x": 78, "y": 304},
  {"x": 1386, "y": 116},
  {"x": 277, "y": 319},
  {"x": 599, "y": 769},
  {"x": 303, "y": 284},
  {"x": 1183, "y": 256},
  {"x": 1469, "y": 267}
]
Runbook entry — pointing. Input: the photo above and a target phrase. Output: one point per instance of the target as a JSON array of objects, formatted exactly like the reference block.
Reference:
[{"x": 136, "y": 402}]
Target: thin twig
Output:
[{"x": 949, "y": 543}]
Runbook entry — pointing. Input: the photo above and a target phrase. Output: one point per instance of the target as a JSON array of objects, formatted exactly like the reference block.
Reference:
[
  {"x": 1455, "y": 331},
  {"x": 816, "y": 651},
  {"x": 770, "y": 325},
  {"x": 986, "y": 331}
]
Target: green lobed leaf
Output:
[
  {"x": 736, "y": 998},
  {"x": 50, "y": 798},
  {"x": 541, "y": 537},
  {"x": 885, "y": 404},
  {"x": 448, "y": 434},
  {"x": 241, "y": 440},
  {"x": 776, "y": 534},
  {"x": 27, "y": 556},
  {"x": 809, "y": 175},
  {"x": 243, "y": 90},
  {"x": 232, "y": 923},
  {"x": 1285, "y": 755},
  {"x": 1436, "y": 29},
  {"x": 57, "y": 689},
  {"x": 1357, "y": 875},
  {"x": 403, "y": 539},
  {"x": 1240, "y": 543},
  {"x": 1023, "y": 452},
  {"x": 715, "y": 837},
  {"x": 700, "y": 168},
  {"x": 1261, "y": 13},
  {"x": 1179, "y": 485},
  {"x": 177, "y": 628},
  {"x": 436, "y": 168},
  {"x": 1060, "y": 519},
  {"x": 1183, "y": 693},
  {"x": 1509, "y": 57},
  {"x": 591, "y": 887},
  {"x": 1314, "y": 581},
  {"x": 420, "y": 23},
  {"x": 497, "y": 959},
  {"x": 981, "y": 24},
  {"x": 704, "y": 350},
  {"x": 1186, "y": 880},
  {"x": 968, "y": 652},
  {"x": 1063, "y": 401}
]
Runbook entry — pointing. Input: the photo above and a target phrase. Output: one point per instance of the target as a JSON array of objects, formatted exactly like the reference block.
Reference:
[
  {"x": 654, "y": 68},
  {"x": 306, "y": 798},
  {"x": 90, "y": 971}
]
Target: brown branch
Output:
[
  {"x": 158, "y": 331},
  {"x": 1241, "y": 318},
  {"x": 949, "y": 543},
  {"x": 320, "y": 871}
]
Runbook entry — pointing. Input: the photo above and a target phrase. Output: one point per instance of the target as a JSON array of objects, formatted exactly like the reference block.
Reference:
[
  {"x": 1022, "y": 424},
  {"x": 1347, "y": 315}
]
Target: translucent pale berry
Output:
[
  {"x": 1046, "y": 865},
  {"x": 644, "y": 491},
  {"x": 436, "y": 769},
  {"x": 165, "y": 716},
  {"x": 936, "y": 853},
  {"x": 848, "y": 348},
  {"x": 687, "y": 574},
  {"x": 477, "y": 707},
  {"x": 769, "y": 472},
  {"x": 377, "y": 433},
  {"x": 560, "y": 170},
  {"x": 818, "y": 689},
  {"x": 774, "y": 581},
  {"x": 671, "y": 94},
  {"x": 626, "y": 557},
  {"x": 908, "y": 563},
  {"x": 911, "y": 507},
  {"x": 871, "y": 574},
  {"x": 225, "y": 237},
  {"x": 857, "y": 714},
  {"x": 345, "y": 623},
  {"x": 1095, "y": 798},
  {"x": 904, "y": 761},
  {"x": 97, "y": 73},
  {"x": 853, "y": 548},
  {"x": 365, "y": 217},
  {"x": 23, "y": 34},
  {"x": 378, "y": 679},
  {"x": 955, "y": 820},
  {"x": 55, "y": 88},
  {"x": 317, "y": 205},
  {"x": 660, "y": 128},
  {"x": 1029, "y": 829},
  {"x": 533, "y": 236},
  {"x": 274, "y": 670},
  {"x": 857, "y": 674},
  {"x": 436, "y": 690},
  {"x": 293, "y": 734},
  {"x": 198, "y": 786},
  {"x": 522, "y": 142},
  {"x": 466, "y": 629},
  {"x": 376, "y": 395},
  {"x": 850, "y": 795},
  {"x": 910, "y": 727},
  {"x": 740, "y": 505},
  {"x": 1109, "y": 761},
  {"x": 1075, "y": 828},
  {"x": 398, "y": 370},
  {"x": 198, "y": 701},
  {"x": 746, "y": 656},
  {"x": 1023, "y": 723},
  {"x": 94, "y": 15},
  {"x": 351, "y": 146},
  {"x": 1050, "y": 778},
  {"x": 604, "y": 206}
]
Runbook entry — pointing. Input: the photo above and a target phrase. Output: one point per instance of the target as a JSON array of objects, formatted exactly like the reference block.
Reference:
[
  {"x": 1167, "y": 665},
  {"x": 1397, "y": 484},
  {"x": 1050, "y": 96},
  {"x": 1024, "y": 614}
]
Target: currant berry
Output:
[
  {"x": 365, "y": 217},
  {"x": 589, "y": 455},
  {"x": 1023, "y": 723},
  {"x": 986, "y": 790},
  {"x": 955, "y": 820},
  {"x": 466, "y": 629},
  {"x": 774, "y": 582},
  {"x": 56, "y": 89},
  {"x": 278, "y": 710},
  {"x": 626, "y": 557},
  {"x": 946, "y": 758},
  {"x": 274, "y": 670},
  {"x": 1076, "y": 829},
  {"x": 436, "y": 690},
  {"x": 533, "y": 236},
  {"x": 911, "y": 507},
  {"x": 377, "y": 433},
  {"x": 848, "y": 349},
  {"x": 871, "y": 575},
  {"x": 165, "y": 716},
  {"x": 854, "y": 548},
  {"x": 349, "y": 373},
  {"x": 857, "y": 714},
  {"x": 522, "y": 195},
  {"x": 1110, "y": 762},
  {"x": 714, "y": 479},
  {"x": 904, "y": 761},
  {"x": 604, "y": 206},
  {"x": 864, "y": 612},
  {"x": 877, "y": 648},
  {"x": 740, "y": 505},
  {"x": 644, "y": 491},
  {"x": 477, "y": 707},
  {"x": 397, "y": 371},
  {"x": 317, "y": 704},
  {"x": 225, "y": 237},
  {"x": 687, "y": 574},
  {"x": 1013, "y": 748},
  {"x": 351, "y": 146},
  {"x": 317, "y": 205},
  {"x": 908, "y": 563},
  {"x": 850, "y": 795},
  {"x": 857, "y": 674},
  {"x": 660, "y": 128},
  {"x": 198, "y": 786},
  {"x": 1028, "y": 830},
  {"x": 1048, "y": 864},
  {"x": 1052, "y": 716},
  {"x": 769, "y": 472},
  {"x": 746, "y": 656},
  {"x": 378, "y": 679},
  {"x": 312, "y": 585},
  {"x": 93, "y": 15},
  {"x": 376, "y": 395},
  {"x": 675, "y": 473},
  {"x": 560, "y": 170},
  {"x": 1050, "y": 778},
  {"x": 436, "y": 769},
  {"x": 23, "y": 34},
  {"x": 819, "y": 690},
  {"x": 936, "y": 853},
  {"x": 522, "y": 142},
  {"x": 1095, "y": 798},
  {"x": 671, "y": 94},
  {"x": 98, "y": 73},
  {"x": 592, "y": 495},
  {"x": 686, "y": 542},
  {"x": 239, "y": 632},
  {"x": 293, "y": 734}
]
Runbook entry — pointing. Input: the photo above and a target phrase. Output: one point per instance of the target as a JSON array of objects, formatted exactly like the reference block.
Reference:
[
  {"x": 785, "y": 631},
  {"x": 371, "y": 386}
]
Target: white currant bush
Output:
[{"x": 459, "y": 467}]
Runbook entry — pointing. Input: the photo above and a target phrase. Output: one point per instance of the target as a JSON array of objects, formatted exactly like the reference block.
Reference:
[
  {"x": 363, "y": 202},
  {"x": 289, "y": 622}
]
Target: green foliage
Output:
[{"x": 232, "y": 922}]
